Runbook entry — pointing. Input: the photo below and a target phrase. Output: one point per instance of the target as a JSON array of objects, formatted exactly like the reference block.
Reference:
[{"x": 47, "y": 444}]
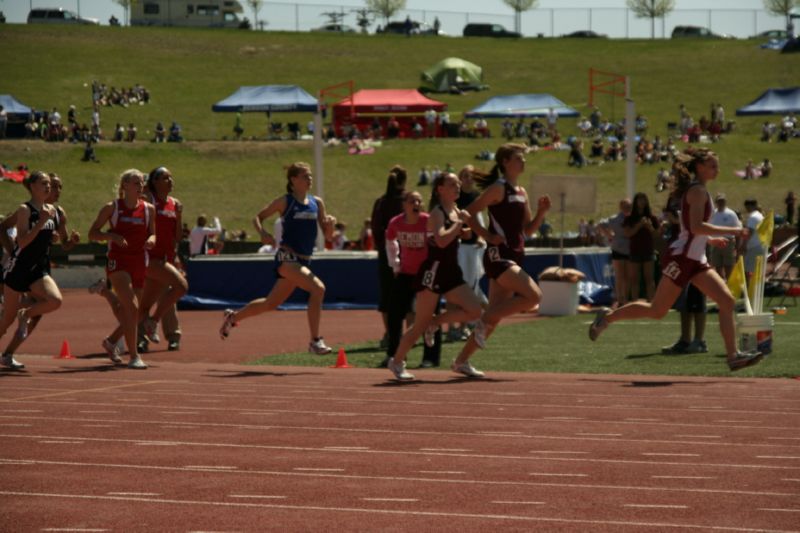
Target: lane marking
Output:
[
  {"x": 212, "y": 467},
  {"x": 445, "y": 450},
  {"x": 257, "y": 496},
  {"x": 356, "y": 448},
  {"x": 556, "y": 475},
  {"x": 71, "y": 529},
  {"x": 505, "y": 502},
  {"x": 179, "y": 413},
  {"x": 683, "y": 477},
  {"x": 655, "y": 506},
  {"x": 777, "y": 457},
  {"x": 157, "y": 444},
  {"x": 60, "y": 442},
  {"x": 780, "y": 510},
  {"x": 88, "y": 411},
  {"x": 699, "y": 436},
  {"x": 10, "y": 425},
  {"x": 517, "y": 518},
  {"x": 79, "y": 391},
  {"x": 559, "y": 451},
  {"x": 790, "y": 479},
  {"x": 660, "y": 454},
  {"x": 562, "y": 418},
  {"x": 300, "y": 469},
  {"x": 440, "y": 472},
  {"x": 133, "y": 493},
  {"x": 599, "y": 434},
  {"x": 643, "y": 420},
  {"x": 413, "y": 479},
  {"x": 99, "y": 426},
  {"x": 390, "y": 499},
  {"x": 783, "y": 438}
]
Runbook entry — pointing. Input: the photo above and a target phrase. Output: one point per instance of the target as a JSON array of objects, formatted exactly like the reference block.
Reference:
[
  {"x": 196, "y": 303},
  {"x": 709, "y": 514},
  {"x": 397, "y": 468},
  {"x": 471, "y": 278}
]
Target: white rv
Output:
[{"x": 199, "y": 13}]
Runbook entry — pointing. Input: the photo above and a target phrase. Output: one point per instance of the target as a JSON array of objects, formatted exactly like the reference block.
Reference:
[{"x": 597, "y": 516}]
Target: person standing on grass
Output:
[
  {"x": 511, "y": 289},
  {"x": 28, "y": 270},
  {"x": 406, "y": 249},
  {"x": 685, "y": 259},
  {"x": 640, "y": 227},
  {"x": 301, "y": 212},
  {"x": 439, "y": 275},
  {"x": 131, "y": 234},
  {"x": 164, "y": 284},
  {"x": 620, "y": 251}
]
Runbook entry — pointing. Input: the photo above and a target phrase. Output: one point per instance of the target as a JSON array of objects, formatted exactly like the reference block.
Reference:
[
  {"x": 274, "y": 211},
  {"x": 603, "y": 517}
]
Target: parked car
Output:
[
  {"x": 697, "y": 32},
  {"x": 417, "y": 28},
  {"x": 335, "y": 28},
  {"x": 772, "y": 34},
  {"x": 586, "y": 34},
  {"x": 57, "y": 15},
  {"x": 475, "y": 29}
]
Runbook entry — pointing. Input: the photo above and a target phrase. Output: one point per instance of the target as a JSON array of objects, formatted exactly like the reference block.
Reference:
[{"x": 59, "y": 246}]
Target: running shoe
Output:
[
  {"x": 479, "y": 334},
  {"x": 174, "y": 346},
  {"x": 112, "y": 350},
  {"x": 399, "y": 370},
  {"x": 680, "y": 347},
  {"x": 319, "y": 347},
  {"x": 467, "y": 369},
  {"x": 227, "y": 324},
  {"x": 98, "y": 286},
  {"x": 457, "y": 334},
  {"x": 137, "y": 364},
  {"x": 697, "y": 346},
  {"x": 429, "y": 337},
  {"x": 8, "y": 361},
  {"x": 22, "y": 328},
  {"x": 151, "y": 330},
  {"x": 743, "y": 360},
  {"x": 599, "y": 324}
]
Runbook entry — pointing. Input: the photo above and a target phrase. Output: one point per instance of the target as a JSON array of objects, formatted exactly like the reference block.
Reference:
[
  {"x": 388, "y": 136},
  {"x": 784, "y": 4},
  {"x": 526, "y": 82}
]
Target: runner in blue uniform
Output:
[{"x": 300, "y": 213}]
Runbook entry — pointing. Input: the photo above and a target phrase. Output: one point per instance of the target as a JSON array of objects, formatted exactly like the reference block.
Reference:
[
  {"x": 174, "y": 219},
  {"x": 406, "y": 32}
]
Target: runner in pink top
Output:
[{"x": 686, "y": 261}]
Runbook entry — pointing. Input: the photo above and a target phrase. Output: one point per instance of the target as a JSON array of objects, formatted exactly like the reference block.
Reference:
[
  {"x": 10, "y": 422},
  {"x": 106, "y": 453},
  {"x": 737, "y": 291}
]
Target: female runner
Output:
[
  {"x": 131, "y": 234},
  {"x": 685, "y": 259},
  {"x": 511, "y": 289},
  {"x": 300, "y": 212},
  {"x": 439, "y": 275}
]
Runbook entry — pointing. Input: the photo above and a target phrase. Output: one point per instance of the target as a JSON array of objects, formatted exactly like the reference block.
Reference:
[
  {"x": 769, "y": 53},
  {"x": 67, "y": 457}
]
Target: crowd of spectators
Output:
[{"x": 105, "y": 96}]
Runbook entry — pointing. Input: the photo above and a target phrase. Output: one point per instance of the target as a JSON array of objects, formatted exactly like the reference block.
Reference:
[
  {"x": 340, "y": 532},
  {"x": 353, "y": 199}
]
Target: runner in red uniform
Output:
[
  {"x": 511, "y": 289},
  {"x": 685, "y": 259},
  {"x": 163, "y": 283},
  {"x": 131, "y": 234}
]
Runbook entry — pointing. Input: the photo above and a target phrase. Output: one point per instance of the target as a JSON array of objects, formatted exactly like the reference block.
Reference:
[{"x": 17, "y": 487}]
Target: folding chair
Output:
[{"x": 786, "y": 271}]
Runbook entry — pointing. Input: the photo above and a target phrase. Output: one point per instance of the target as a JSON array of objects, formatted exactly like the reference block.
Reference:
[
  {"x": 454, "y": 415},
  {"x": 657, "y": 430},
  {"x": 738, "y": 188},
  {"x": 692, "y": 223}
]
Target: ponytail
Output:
[
  {"x": 396, "y": 182},
  {"x": 498, "y": 170},
  {"x": 685, "y": 167}
]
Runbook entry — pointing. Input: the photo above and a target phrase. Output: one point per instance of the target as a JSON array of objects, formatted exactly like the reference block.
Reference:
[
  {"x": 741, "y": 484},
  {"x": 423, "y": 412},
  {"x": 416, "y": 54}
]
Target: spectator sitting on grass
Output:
[
  {"x": 576, "y": 157},
  {"x": 175, "y": 133},
  {"x": 161, "y": 133},
  {"x": 131, "y": 132}
]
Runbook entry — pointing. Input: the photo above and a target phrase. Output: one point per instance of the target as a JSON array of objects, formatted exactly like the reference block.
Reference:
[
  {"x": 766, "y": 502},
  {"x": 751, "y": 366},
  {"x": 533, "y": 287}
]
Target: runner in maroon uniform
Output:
[
  {"x": 511, "y": 289},
  {"x": 132, "y": 232},
  {"x": 685, "y": 259},
  {"x": 439, "y": 275},
  {"x": 163, "y": 283}
]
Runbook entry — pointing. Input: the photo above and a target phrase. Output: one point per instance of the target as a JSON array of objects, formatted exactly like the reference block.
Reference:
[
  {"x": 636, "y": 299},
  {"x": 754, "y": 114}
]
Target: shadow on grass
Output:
[
  {"x": 653, "y": 354},
  {"x": 252, "y": 374}
]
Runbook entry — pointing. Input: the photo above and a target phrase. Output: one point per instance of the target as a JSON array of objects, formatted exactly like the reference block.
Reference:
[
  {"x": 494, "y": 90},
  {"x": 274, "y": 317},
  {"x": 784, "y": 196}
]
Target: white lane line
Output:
[
  {"x": 506, "y": 502},
  {"x": 157, "y": 443},
  {"x": 16, "y": 425},
  {"x": 698, "y": 436},
  {"x": 70, "y": 529},
  {"x": 493, "y": 517},
  {"x": 390, "y": 499},
  {"x": 103, "y": 412},
  {"x": 212, "y": 467},
  {"x": 509, "y": 393},
  {"x": 559, "y": 451},
  {"x": 790, "y": 479},
  {"x": 658, "y": 454},
  {"x": 643, "y": 420},
  {"x": 563, "y": 418},
  {"x": 445, "y": 450},
  {"x": 60, "y": 442},
  {"x": 740, "y": 421},
  {"x": 777, "y": 457},
  {"x": 299, "y": 469},
  {"x": 133, "y": 493},
  {"x": 346, "y": 448},
  {"x": 99, "y": 426},
  {"x": 683, "y": 477},
  {"x": 655, "y": 506},
  {"x": 22, "y": 410},
  {"x": 783, "y": 438},
  {"x": 549, "y": 474},
  {"x": 440, "y": 472},
  {"x": 257, "y": 496},
  {"x": 179, "y": 413},
  {"x": 599, "y": 434},
  {"x": 780, "y": 510}
]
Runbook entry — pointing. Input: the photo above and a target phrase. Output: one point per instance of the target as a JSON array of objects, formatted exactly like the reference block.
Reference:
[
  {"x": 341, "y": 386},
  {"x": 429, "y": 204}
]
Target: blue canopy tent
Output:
[
  {"x": 17, "y": 113},
  {"x": 267, "y": 98},
  {"x": 521, "y": 105},
  {"x": 773, "y": 102}
]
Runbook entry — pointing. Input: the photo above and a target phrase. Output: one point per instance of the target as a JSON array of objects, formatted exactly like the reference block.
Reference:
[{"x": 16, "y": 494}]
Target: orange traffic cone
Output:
[
  {"x": 341, "y": 360},
  {"x": 65, "y": 351}
]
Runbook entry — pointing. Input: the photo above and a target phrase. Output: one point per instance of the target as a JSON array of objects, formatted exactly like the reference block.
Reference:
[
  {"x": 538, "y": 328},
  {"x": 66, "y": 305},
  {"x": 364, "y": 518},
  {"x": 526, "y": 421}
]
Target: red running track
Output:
[{"x": 212, "y": 446}]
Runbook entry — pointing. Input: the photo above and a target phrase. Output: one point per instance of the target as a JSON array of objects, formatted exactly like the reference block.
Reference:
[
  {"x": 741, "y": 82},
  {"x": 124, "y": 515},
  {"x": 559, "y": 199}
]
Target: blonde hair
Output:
[{"x": 126, "y": 177}]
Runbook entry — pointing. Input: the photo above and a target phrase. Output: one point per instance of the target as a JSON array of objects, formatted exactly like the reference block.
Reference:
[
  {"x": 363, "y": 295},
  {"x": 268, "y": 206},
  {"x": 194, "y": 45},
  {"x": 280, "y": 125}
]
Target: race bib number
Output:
[
  {"x": 112, "y": 265},
  {"x": 285, "y": 256},
  {"x": 672, "y": 271},
  {"x": 494, "y": 253}
]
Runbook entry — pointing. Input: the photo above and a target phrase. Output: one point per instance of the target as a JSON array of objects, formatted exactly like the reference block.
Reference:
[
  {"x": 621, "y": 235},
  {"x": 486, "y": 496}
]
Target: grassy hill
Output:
[{"x": 187, "y": 70}]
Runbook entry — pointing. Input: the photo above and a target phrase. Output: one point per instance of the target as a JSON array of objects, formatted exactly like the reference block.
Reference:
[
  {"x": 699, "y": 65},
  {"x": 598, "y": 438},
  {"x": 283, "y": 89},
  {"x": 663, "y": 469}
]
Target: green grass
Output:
[
  {"x": 623, "y": 349},
  {"x": 187, "y": 70}
]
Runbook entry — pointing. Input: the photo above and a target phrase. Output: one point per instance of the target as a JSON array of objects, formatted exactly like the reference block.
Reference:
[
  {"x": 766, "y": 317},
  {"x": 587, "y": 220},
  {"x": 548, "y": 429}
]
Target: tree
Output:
[
  {"x": 363, "y": 18},
  {"x": 126, "y": 6},
  {"x": 651, "y": 9},
  {"x": 256, "y": 6},
  {"x": 783, "y": 8},
  {"x": 387, "y": 8},
  {"x": 519, "y": 6}
]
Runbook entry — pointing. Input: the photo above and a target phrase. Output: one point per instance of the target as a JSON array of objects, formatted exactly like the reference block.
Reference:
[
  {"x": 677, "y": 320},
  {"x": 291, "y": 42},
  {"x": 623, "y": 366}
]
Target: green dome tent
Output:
[{"x": 453, "y": 75}]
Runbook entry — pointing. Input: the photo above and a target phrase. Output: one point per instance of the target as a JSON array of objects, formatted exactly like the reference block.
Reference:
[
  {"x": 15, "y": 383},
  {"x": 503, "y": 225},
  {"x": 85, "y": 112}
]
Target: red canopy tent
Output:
[{"x": 405, "y": 105}]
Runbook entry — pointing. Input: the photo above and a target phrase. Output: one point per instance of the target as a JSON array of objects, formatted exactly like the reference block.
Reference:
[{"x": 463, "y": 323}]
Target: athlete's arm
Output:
[
  {"x": 697, "y": 197},
  {"x": 326, "y": 222},
  {"x": 491, "y": 196},
  {"x": 278, "y": 205},
  {"x": 532, "y": 223},
  {"x": 151, "y": 226},
  {"x": 68, "y": 238},
  {"x": 441, "y": 235},
  {"x": 178, "y": 222},
  {"x": 26, "y": 235},
  {"x": 97, "y": 234},
  {"x": 9, "y": 222}
]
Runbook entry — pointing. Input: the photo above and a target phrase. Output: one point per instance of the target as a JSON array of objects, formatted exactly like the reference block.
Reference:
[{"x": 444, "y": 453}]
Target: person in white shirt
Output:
[
  {"x": 552, "y": 120},
  {"x": 723, "y": 259},
  {"x": 198, "y": 237},
  {"x": 753, "y": 248}
]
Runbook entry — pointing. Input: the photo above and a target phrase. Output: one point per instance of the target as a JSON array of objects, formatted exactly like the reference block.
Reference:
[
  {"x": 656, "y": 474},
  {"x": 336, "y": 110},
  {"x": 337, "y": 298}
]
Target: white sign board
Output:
[{"x": 579, "y": 193}]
